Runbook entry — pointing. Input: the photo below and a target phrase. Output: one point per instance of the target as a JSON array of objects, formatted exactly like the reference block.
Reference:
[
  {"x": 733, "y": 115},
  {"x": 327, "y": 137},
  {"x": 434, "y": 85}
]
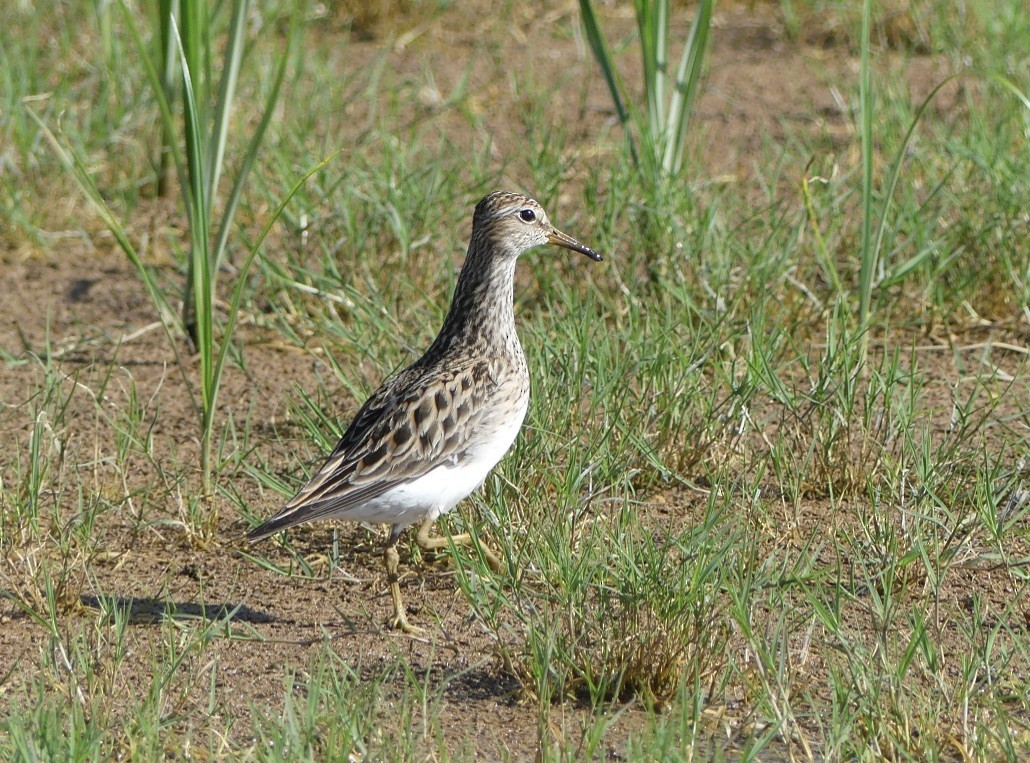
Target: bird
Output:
[{"x": 430, "y": 434}]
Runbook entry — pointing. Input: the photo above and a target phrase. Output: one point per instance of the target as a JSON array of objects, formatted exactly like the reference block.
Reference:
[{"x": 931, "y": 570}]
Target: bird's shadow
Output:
[{"x": 148, "y": 610}]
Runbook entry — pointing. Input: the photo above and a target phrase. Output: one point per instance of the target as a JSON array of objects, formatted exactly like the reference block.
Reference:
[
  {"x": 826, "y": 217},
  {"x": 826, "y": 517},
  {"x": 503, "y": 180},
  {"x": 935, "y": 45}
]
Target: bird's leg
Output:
[
  {"x": 435, "y": 543},
  {"x": 392, "y": 559}
]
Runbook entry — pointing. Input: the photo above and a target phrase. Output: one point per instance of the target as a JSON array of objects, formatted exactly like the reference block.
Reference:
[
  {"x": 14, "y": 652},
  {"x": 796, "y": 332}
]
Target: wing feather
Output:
[{"x": 411, "y": 425}]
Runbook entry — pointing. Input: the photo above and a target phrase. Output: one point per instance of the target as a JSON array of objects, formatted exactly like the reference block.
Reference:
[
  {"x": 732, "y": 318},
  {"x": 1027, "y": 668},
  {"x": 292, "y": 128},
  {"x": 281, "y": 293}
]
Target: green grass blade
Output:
[
  {"x": 189, "y": 38},
  {"x": 687, "y": 76},
  {"x": 242, "y": 173},
  {"x": 165, "y": 55},
  {"x": 892, "y": 183},
  {"x": 1009, "y": 85},
  {"x": 602, "y": 53},
  {"x": 652, "y": 21},
  {"x": 201, "y": 277},
  {"x": 822, "y": 251},
  {"x": 661, "y": 64},
  {"x": 226, "y": 95}
]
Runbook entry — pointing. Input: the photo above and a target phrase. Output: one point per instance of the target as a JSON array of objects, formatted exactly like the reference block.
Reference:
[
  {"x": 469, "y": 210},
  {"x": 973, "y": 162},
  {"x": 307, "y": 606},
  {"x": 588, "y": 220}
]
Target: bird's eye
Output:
[{"x": 527, "y": 215}]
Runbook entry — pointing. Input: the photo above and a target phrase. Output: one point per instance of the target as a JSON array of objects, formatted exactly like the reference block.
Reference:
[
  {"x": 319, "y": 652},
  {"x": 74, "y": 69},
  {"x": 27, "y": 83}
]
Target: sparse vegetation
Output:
[
  {"x": 656, "y": 134},
  {"x": 748, "y": 518}
]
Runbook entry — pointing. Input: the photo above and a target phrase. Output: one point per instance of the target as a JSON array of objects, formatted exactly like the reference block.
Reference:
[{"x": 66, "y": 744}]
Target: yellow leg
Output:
[
  {"x": 435, "y": 543},
  {"x": 392, "y": 560}
]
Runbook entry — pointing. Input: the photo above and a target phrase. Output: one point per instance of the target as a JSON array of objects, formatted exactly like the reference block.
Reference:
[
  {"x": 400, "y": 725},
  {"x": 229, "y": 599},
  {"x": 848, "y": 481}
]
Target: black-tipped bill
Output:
[{"x": 563, "y": 239}]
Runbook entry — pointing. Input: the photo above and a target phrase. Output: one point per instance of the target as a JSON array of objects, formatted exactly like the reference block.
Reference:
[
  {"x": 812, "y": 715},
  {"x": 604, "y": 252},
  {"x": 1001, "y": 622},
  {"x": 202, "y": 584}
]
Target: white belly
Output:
[{"x": 443, "y": 488}]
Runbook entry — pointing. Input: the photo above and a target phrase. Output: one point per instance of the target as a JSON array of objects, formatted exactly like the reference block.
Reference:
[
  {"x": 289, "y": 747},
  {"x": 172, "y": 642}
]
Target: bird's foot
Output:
[
  {"x": 399, "y": 622},
  {"x": 429, "y": 542}
]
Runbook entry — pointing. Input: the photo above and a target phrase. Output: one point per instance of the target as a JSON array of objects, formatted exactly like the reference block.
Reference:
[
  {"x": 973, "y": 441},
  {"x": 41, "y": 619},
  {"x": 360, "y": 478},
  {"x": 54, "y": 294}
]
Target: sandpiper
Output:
[{"x": 431, "y": 433}]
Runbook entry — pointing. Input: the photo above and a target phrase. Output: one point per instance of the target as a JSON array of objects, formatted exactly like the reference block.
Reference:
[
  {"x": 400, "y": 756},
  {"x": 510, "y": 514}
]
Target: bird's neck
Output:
[{"x": 482, "y": 310}]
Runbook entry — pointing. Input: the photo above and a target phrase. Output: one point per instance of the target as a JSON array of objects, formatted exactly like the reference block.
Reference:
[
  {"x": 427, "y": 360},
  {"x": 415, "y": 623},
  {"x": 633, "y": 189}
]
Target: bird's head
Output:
[{"x": 515, "y": 223}]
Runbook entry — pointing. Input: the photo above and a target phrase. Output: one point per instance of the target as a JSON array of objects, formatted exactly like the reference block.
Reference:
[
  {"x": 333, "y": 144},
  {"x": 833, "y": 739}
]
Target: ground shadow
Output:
[{"x": 146, "y": 609}]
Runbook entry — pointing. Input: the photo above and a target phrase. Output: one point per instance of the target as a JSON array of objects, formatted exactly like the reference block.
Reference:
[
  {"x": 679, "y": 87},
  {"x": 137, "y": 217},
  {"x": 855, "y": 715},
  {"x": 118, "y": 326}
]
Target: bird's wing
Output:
[{"x": 409, "y": 426}]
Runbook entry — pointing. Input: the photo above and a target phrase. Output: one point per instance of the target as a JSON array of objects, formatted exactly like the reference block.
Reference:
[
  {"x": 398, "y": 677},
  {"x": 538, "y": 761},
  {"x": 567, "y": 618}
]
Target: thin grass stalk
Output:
[
  {"x": 866, "y": 250},
  {"x": 661, "y": 58},
  {"x": 871, "y": 246},
  {"x": 892, "y": 184},
  {"x": 234, "y": 197},
  {"x": 195, "y": 85},
  {"x": 229, "y": 213},
  {"x": 822, "y": 251},
  {"x": 74, "y": 165},
  {"x": 204, "y": 158},
  {"x": 205, "y": 259},
  {"x": 215, "y": 140}
]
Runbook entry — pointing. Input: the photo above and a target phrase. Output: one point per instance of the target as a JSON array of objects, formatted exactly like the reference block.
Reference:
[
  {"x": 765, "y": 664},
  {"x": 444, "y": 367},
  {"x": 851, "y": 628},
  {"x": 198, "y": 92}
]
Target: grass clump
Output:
[
  {"x": 603, "y": 608},
  {"x": 47, "y": 524}
]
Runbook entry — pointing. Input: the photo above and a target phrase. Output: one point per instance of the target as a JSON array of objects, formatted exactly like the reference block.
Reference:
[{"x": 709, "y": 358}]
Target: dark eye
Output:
[{"x": 527, "y": 215}]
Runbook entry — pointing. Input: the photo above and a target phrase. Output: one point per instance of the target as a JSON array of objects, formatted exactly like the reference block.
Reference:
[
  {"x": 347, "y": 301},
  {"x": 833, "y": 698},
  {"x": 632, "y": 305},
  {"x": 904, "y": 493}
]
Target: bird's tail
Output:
[
  {"x": 284, "y": 519},
  {"x": 295, "y": 513}
]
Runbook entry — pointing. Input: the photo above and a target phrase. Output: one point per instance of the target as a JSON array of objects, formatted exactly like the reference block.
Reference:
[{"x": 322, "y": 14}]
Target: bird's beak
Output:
[{"x": 563, "y": 239}]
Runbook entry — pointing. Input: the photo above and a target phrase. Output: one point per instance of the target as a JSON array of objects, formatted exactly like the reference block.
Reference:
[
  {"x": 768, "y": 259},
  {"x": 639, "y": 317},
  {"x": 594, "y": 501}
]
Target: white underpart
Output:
[{"x": 443, "y": 488}]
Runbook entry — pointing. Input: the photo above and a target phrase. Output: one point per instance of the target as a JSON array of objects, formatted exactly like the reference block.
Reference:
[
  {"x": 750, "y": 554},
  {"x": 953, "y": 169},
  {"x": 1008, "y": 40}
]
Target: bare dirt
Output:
[{"x": 84, "y": 305}]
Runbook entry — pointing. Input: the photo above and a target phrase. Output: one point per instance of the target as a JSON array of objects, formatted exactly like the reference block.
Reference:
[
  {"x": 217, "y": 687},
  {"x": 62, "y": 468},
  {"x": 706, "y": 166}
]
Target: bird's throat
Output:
[{"x": 482, "y": 310}]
